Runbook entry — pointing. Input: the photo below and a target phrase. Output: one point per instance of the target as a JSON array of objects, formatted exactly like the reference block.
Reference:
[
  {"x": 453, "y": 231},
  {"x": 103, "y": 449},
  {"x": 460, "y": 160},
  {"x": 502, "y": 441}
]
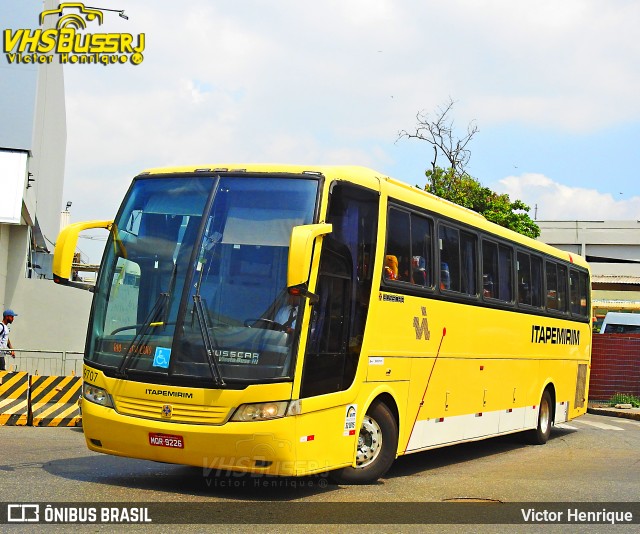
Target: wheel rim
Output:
[
  {"x": 369, "y": 442},
  {"x": 545, "y": 416}
]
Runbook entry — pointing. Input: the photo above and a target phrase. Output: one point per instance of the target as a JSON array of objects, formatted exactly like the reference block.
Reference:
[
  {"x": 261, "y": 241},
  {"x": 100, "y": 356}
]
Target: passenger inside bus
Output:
[
  {"x": 418, "y": 270},
  {"x": 390, "y": 267},
  {"x": 445, "y": 276},
  {"x": 487, "y": 285}
]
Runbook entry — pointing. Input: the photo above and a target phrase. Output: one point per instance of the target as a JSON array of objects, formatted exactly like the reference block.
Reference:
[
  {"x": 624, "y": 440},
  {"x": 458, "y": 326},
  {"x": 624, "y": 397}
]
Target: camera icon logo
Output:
[{"x": 78, "y": 20}]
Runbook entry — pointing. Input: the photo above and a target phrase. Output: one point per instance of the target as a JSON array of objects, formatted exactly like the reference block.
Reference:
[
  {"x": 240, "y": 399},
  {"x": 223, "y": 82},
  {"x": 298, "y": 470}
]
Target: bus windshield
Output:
[{"x": 192, "y": 289}]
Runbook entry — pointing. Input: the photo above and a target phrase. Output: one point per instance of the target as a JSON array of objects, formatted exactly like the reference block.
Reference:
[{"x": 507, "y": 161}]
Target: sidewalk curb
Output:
[{"x": 633, "y": 413}]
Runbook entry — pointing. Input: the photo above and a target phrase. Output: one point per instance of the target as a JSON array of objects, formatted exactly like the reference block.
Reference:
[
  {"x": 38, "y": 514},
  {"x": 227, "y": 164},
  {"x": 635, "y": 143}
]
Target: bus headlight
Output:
[
  {"x": 96, "y": 395},
  {"x": 260, "y": 411}
]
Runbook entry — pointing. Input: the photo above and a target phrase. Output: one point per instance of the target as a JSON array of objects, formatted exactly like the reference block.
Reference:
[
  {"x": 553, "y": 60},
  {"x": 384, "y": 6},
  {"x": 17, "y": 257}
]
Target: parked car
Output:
[{"x": 621, "y": 323}]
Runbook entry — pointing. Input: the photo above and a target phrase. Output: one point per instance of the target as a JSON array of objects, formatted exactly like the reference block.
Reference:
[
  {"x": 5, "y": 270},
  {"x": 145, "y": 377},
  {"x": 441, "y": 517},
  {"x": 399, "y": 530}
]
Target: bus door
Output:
[{"x": 337, "y": 323}]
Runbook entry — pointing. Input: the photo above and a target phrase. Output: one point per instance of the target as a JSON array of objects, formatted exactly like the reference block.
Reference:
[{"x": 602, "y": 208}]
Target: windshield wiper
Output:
[
  {"x": 206, "y": 339},
  {"x": 158, "y": 316},
  {"x": 156, "y": 311}
]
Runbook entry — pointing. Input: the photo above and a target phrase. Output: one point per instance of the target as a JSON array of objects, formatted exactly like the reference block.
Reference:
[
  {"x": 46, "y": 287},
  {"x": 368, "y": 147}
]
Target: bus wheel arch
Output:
[
  {"x": 377, "y": 445},
  {"x": 388, "y": 399},
  {"x": 546, "y": 416}
]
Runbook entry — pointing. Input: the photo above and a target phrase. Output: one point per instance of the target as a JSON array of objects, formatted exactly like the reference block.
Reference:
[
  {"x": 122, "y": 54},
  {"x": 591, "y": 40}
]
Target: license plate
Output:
[{"x": 166, "y": 440}]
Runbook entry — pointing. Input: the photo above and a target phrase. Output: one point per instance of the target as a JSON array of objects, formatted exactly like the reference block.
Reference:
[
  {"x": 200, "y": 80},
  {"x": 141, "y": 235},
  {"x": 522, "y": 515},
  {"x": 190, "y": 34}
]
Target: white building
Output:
[
  {"x": 32, "y": 156},
  {"x": 612, "y": 249}
]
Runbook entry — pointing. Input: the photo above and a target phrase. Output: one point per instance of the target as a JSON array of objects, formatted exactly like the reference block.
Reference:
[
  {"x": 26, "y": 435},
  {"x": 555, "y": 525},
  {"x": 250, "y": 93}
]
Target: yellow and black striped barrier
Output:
[
  {"x": 14, "y": 398},
  {"x": 54, "y": 400}
]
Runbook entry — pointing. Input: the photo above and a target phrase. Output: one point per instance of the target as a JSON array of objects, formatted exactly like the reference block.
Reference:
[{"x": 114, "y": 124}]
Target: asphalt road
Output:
[{"x": 593, "y": 459}]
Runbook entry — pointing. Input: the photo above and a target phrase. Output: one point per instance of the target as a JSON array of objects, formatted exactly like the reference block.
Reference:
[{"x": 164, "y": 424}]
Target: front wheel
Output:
[
  {"x": 541, "y": 434},
  {"x": 376, "y": 450}
]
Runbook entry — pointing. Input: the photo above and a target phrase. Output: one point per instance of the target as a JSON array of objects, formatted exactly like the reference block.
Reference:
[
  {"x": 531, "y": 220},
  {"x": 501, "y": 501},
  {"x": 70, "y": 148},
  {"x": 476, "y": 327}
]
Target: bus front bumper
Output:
[{"x": 265, "y": 447}]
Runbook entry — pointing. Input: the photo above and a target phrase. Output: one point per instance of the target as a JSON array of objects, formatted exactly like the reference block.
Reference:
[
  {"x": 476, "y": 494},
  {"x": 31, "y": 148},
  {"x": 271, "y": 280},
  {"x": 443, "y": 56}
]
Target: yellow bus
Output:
[{"x": 291, "y": 320}]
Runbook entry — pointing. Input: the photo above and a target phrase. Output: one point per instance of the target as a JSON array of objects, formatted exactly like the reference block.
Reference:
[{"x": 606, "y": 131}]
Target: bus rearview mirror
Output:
[
  {"x": 301, "y": 251},
  {"x": 65, "y": 249}
]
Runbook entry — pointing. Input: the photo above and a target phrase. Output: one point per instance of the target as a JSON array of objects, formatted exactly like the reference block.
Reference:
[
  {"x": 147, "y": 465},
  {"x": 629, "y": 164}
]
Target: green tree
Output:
[
  {"x": 466, "y": 191},
  {"x": 455, "y": 184}
]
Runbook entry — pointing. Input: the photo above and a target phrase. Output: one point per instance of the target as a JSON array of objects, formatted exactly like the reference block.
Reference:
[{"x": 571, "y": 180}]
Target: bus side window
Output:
[
  {"x": 421, "y": 251},
  {"x": 489, "y": 268},
  {"x": 584, "y": 295},
  {"x": 497, "y": 276},
  {"x": 397, "y": 254},
  {"x": 468, "y": 263},
  {"x": 449, "y": 244},
  {"x": 556, "y": 286},
  {"x": 505, "y": 280},
  {"x": 552, "y": 286},
  {"x": 536, "y": 282},
  {"x": 524, "y": 279},
  {"x": 578, "y": 293},
  {"x": 458, "y": 253},
  {"x": 562, "y": 288}
]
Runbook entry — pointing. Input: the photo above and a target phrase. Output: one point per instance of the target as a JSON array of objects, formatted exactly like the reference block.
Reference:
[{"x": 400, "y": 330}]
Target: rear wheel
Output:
[
  {"x": 376, "y": 450},
  {"x": 541, "y": 434}
]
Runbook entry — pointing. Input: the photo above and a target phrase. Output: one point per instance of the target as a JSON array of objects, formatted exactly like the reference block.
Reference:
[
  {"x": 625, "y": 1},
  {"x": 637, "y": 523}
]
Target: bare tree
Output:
[{"x": 439, "y": 133}]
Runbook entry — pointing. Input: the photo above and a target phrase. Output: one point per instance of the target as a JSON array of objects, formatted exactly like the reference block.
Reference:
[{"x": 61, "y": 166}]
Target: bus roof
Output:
[
  {"x": 392, "y": 187},
  {"x": 329, "y": 171}
]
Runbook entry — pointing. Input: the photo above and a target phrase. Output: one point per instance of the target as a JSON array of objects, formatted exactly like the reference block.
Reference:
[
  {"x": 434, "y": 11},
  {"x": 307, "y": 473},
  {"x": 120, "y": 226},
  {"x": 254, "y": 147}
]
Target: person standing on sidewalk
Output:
[{"x": 7, "y": 319}]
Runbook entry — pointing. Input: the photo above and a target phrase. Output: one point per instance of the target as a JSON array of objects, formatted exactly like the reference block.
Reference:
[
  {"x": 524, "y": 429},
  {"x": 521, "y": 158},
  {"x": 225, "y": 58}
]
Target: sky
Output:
[{"x": 551, "y": 86}]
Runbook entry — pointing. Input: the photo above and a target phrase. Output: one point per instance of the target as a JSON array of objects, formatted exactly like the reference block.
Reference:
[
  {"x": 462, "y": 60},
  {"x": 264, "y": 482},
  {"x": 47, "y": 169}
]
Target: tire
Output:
[
  {"x": 377, "y": 447},
  {"x": 541, "y": 434}
]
